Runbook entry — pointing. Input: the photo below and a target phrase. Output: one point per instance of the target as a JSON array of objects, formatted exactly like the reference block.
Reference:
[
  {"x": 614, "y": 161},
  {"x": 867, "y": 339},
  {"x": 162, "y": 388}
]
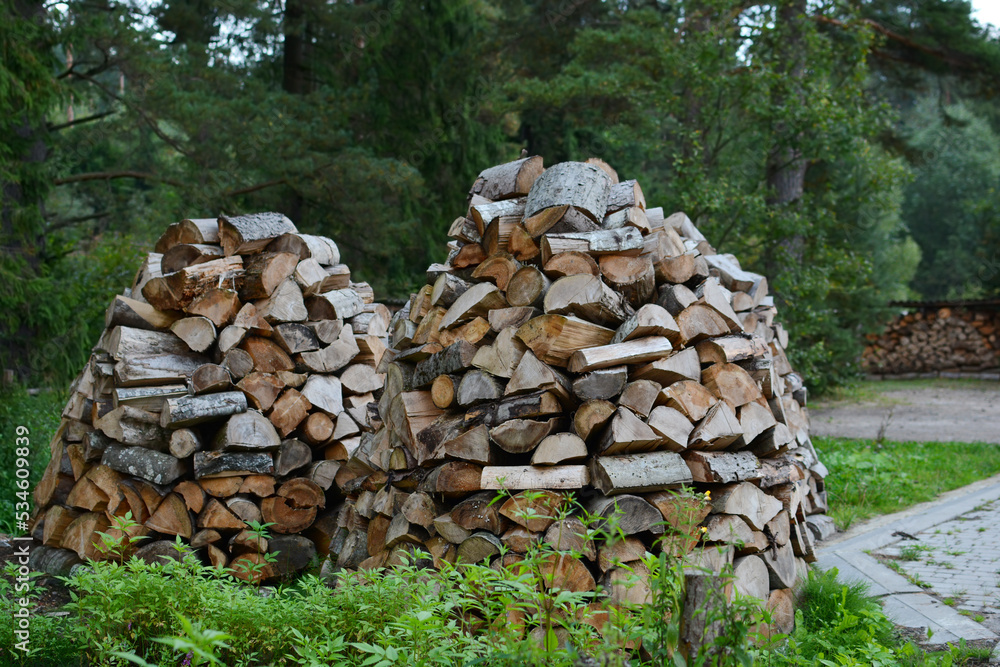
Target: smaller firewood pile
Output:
[
  {"x": 579, "y": 343},
  {"x": 231, "y": 382},
  {"x": 949, "y": 339}
]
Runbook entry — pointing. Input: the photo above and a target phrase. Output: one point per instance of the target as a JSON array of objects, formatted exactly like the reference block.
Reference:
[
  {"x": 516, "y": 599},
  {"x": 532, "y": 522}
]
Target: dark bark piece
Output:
[
  {"x": 209, "y": 378},
  {"x": 453, "y": 359},
  {"x": 293, "y": 455},
  {"x": 232, "y": 464},
  {"x": 625, "y": 195},
  {"x": 626, "y": 241}
]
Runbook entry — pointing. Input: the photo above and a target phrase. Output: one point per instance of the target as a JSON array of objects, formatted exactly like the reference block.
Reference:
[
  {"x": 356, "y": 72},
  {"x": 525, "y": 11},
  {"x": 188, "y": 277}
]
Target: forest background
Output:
[{"x": 848, "y": 149}]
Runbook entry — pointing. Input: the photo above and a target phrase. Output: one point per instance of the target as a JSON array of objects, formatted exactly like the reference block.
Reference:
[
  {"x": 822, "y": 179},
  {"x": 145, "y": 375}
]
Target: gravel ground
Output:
[{"x": 937, "y": 412}]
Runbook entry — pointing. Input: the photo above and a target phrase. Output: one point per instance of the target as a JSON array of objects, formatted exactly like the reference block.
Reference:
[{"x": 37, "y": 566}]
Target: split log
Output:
[
  {"x": 698, "y": 322},
  {"x": 501, "y": 358},
  {"x": 731, "y": 383},
  {"x": 337, "y": 304},
  {"x": 184, "y": 442},
  {"x": 157, "y": 369},
  {"x": 232, "y": 464},
  {"x": 149, "y": 399},
  {"x": 559, "y": 448},
  {"x": 571, "y": 535},
  {"x": 723, "y": 467},
  {"x": 730, "y": 349},
  {"x": 624, "y": 514},
  {"x": 627, "y": 433},
  {"x": 626, "y": 241},
  {"x": 479, "y": 547},
  {"x": 747, "y": 501},
  {"x": 293, "y": 455},
  {"x": 689, "y": 398},
  {"x": 682, "y": 365},
  {"x": 531, "y": 477},
  {"x": 478, "y": 300},
  {"x": 649, "y": 320},
  {"x": 587, "y": 297},
  {"x": 335, "y": 356},
  {"x": 220, "y": 305},
  {"x": 246, "y": 234},
  {"x": 554, "y": 338},
  {"x": 718, "y": 429},
  {"x": 172, "y": 517},
  {"x": 583, "y": 186},
  {"x": 500, "y": 266},
  {"x": 632, "y": 277},
  {"x": 127, "y": 312},
  {"x": 527, "y": 287},
  {"x": 634, "y": 473},
  {"x": 248, "y": 431},
  {"x": 520, "y": 436},
  {"x": 201, "y": 231},
  {"x": 570, "y": 263},
  {"x": 534, "y": 510},
  {"x": 191, "y": 410},
  {"x": 511, "y": 179},
  {"x": 476, "y": 387},
  {"x": 455, "y": 358},
  {"x": 261, "y": 389},
  {"x": 267, "y": 356},
  {"x": 447, "y": 288},
  {"x": 307, "y": 246},
  {"x": 639, "y": 396},
  {"x": 591, "y": 418},
  {"x": 673, "y": 428},
  {"x": 284, "y": 305},
  {"x": 289, "y": 411},
  {"x": 178, "y": 290},
  {"x": 565, "y": 572}
]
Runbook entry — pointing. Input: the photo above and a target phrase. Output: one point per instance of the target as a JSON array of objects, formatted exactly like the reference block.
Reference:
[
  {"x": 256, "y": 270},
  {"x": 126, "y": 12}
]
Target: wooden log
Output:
[
  {"x": 455, "y": 358},
  {"x": 479, "y": 512},
  {"x": 565, "y": 572},
  {"x": 285, "y": 516},
  {"x": 132, "y": 313},
  {"x": 201, "y": 231},
  {"x": 210, "y": 465},
  {"x": 184, "y": 442},
  {"x": 583, "y": 186},
  {"x": 291, "y": 456},
  {"x": 635, "y": 473},
  {"x": 713, "y": 295},
  {"x": 559, "y": 448},
  {"x": 526, "y": 406},
  {"x": 520, "y": 436},
  {"x": 705, "y": 595},
  {"x": 126, "y": 342},
  {"x": 153, "y": 466},
  {"x": 698, "y": 322},
  {"x": 477, "y": 387},
  {"x": 285, "y": 304},
  {"x": 289, "y": 411},
  {"x": 649, "y": 320},
  {"x": 626, "y": 241},
  {"x": 730, "y": 349},
  {"x": 604, "y": 383},
  {"x": 149, "y": 399},
  {"x": 620, "y": 551},
  {"x": 571, "y": 535},
  {"x": 723, "y": 467},
  {"x": 570, "y": 263},
  {"x": 488, "y": 213},
  {"x": 57, "y": 518},
  {"x": 754, "y": 420},
  {"x": 730, "y": 383},
  {"x": 464, "y": 229},
  {"x": 627, "y": 433},
  {"x": 444, "y": 391},
  {"x": 317, "y": 428},
  {"x": 682, "y": 365},
  {"x": 639, "y": 396},
  {"x": 527, "y": 287},
  {"x": 532, "y": 477},
  {"x": 261, "y": 389},
  {"x": 587, "y": 297},
  {"x": 447, "y": 288},
  {"x": 187, "y": 254},
  {"x": 267, "y": 356},
  {"x": 504, "y": 318},
  {"x": 478, "y": 300},
  {"x": 453, "y": 479},
  {"x": 502, "y": 357},
  {"x": 625, "y": 514},
  {"x": 521, "y": 245},
  {"x": 500, "y": 266},
  {"x": 81, "y": 536},
  {"x": 335, "y": 356},
  {"x": 307, "y": 246},
  {"x": 689, "y": 398},
  {"x": 251, "y": 233},
  {"x": 672, "y": 426},
  {"x": 632, "y": 277},
  {"x": 747, "y": 501},
  {"x": 471, "y": 445},
  {"x": 218, "y": 304},
  {"x": 511, "y": 179},
  {"x": 591, "y": 418},
  {"x": 554, "y": 338},
  {"x": 478, "y": 547},
  {"x": 178, "y": 290},
  {"x": 248, "y": 431},
  {"x": 313, "y": 278},
  {"x": 190, "y": 410},
  {"x": 334, "y": 305},
  {"x": 172, "y": 517},
  {"x": 718, "y": 429},
  {"x": 132, "y": 426},
  {"x": 534, "y": 510}
]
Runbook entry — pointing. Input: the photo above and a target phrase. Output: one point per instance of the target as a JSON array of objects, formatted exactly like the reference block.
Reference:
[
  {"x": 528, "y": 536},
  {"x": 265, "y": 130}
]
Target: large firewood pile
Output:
[
  {"x": 231, "y": 381},
  {"x": 577, "y": 343},
  {"x": 959, "y": 340}
]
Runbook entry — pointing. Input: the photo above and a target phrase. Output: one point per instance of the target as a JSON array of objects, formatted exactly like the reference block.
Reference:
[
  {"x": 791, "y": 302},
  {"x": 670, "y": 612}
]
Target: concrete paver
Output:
[{"x": 946, "y": 579}]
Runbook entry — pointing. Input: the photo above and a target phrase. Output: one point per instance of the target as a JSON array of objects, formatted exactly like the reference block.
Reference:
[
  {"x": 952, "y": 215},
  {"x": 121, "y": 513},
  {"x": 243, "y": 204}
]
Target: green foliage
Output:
[
  {"x": 838, "y": 624},
  {"x": 868, "y": 478},
  {"x": 40, "y": 416}
]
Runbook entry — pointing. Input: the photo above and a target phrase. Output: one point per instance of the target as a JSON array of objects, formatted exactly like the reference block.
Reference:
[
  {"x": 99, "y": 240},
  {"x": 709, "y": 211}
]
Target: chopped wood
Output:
[
  {"x": 156, "y": 467},
  {"x": 634, "y": 473},
  {"x": 191, "y": 410},
  {"x": 178, "y": 290},
  {"x": 587, "y": 297},
  {"x": 689, "y": 398},
  {"x": 718, "y": 429},
  {"x": 247, "y": 234},
  {"x": 723, "y": 467},
  {"x": 519, "y": 436},
  {"x": 559, "y": 448},
  {"x": 476, "y": 387},
  {"x": 201, "y": 230},
  {"x": 554, "y": 338},
  {"x": 535, "y": 477},
  {"x": 527, "y": 287},
  {"x": 583, "y": 186},
  {"x": 747, "y": 501},
  {"x": 682, "y": 365},
  {"x": 626, "y": 241},
  {"x": 127, "y": 312}
]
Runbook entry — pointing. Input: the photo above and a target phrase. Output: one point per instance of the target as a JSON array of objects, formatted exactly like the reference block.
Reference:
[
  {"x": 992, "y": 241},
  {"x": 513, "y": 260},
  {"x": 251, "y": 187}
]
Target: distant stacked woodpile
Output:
[
  {"x": 957, "y": 339},
  {"x": 577, "y": 342},
  {"x": 232, "y": 379}
]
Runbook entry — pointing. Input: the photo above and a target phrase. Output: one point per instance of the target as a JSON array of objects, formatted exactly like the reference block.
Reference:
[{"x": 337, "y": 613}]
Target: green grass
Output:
[
  {"x": 867, "y": 478},
  {"x": 40, "y": 415}
]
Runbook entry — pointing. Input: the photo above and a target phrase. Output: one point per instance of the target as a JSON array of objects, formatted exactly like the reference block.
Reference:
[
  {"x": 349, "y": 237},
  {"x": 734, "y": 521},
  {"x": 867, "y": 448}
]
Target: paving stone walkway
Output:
[{"x": 936, "y": 566}]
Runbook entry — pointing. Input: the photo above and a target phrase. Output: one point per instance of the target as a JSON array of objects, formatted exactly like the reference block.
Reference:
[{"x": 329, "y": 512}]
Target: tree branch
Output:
[{"x": 80, "y": 121}]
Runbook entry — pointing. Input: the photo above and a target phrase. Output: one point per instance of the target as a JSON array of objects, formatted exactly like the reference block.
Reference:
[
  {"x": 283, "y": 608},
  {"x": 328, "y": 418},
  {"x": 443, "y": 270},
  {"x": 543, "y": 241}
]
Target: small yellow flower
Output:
[
  {"x": 708, "y": 494},
  {"x": 704, "y": 529}
]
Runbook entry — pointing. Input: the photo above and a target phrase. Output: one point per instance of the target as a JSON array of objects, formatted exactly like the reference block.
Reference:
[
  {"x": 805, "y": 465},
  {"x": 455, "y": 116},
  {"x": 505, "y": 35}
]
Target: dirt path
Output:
[{"x": 932, "y": 410}]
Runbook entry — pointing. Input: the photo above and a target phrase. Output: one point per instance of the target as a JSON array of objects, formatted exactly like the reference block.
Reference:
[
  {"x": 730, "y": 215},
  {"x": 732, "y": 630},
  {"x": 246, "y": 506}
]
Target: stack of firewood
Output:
[
  {"x": 938, "y": 339},
  {"x": 577, "y": 343},
  {"x": 232, "y": 381}
]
